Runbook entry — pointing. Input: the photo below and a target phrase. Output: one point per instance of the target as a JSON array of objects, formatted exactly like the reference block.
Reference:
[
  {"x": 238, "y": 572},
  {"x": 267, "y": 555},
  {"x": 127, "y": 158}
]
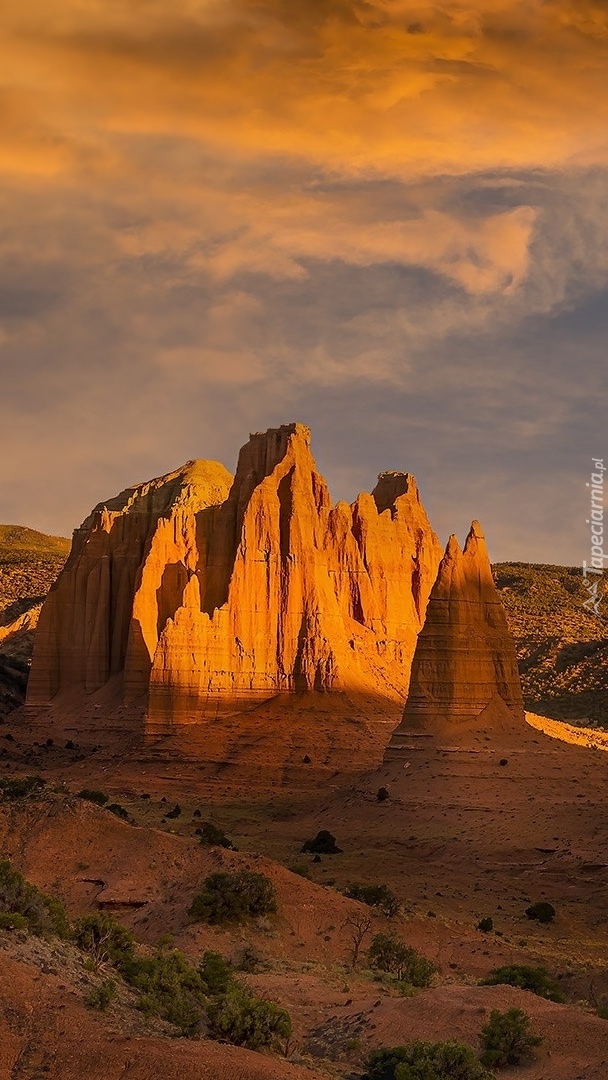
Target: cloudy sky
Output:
[{"x": 384, "y": 218}]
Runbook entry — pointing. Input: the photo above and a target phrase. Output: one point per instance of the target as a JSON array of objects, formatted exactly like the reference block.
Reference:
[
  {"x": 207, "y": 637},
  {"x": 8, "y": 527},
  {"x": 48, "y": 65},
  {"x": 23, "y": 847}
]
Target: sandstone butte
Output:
[
  {"x": 197, "y": 594},
  {"x": 464, "y": 678}
]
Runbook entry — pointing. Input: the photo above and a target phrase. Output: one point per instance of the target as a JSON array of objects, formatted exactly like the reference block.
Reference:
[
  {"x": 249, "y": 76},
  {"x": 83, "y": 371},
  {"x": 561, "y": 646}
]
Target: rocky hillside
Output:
[
  {"x": 29, "y": 563},
  {"x": 562, "y": 648}
]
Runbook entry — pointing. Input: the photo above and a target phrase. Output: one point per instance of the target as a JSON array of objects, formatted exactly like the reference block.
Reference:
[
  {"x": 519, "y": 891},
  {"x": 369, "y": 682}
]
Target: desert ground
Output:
[
  {"x": 475, "y": 827},
  {"x": 468, "y": 831}
]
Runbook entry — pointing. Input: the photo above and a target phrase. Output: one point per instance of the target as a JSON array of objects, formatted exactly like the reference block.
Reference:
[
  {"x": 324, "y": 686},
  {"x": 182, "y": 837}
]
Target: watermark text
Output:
[{"x": 594, "y": 570}]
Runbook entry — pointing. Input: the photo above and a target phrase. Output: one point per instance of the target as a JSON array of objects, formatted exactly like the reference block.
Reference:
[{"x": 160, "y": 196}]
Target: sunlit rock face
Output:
[
  {"x": 464, "y": 673},
  {"x": 129, "y": 563},
  {"x": 196, "y": 593}
]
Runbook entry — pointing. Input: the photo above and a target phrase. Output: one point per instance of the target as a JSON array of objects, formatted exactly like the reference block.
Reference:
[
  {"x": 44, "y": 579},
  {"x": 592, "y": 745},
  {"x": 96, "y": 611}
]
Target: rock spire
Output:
[{"x": 464, "y": 672}]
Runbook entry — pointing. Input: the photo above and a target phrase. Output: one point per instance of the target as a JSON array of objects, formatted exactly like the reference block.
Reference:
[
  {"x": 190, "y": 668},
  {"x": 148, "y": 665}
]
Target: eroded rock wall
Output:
[{"x": 198, "y": 595}]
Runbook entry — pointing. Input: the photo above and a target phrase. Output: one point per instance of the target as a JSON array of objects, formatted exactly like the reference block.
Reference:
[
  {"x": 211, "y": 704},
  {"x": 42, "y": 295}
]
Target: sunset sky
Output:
[{"x": 386, "y": 219}]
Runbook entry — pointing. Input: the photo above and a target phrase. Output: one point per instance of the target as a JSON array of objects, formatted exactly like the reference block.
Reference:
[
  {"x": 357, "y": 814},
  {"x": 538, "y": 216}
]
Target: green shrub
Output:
[
  {"x": 216, "y": 973},
  {"x": 324, "y": 843},
  {"x": 426, "y": 1061},
  {"x": 245, "y": 1020},
  {"x": 102, "y": 995},
  {"x": 379, "y": 896},
  {"x": 104, "y": 939},
  {"x": 301, "y": 869},
  {"x": 250, "y": 961},
  {"x": 543, "y": 912},
  {"x": 213, "y": 836},
  {"x": 44, "y": 915},
  {"x": 228, "y": 897},
  {"x": 389, "y": 953},
  {"x": 486, "y": 925},
  {"x": 13, "y": 921},
  {"x": 537, "y": 980},
  {"x": 97, "y": 797},
  {"x": 19, "y": 787},
  {"x": 170, "y": 988},
  {"x": 507, "y": 1039},
  {"x": 118, "y": 810}
]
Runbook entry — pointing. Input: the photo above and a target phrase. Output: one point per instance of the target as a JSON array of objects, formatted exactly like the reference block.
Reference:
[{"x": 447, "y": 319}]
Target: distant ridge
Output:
[
  {"x": 562, "y": 648},
  {"x": 29, "y": 563},
  {"x": 18, "y": 538}
]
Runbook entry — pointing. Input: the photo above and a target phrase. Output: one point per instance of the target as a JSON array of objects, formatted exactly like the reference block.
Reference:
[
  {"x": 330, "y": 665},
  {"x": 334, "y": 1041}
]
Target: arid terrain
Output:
[
  {"x": 460, "y": 837},
  {"x": 562, "y": 648},
  {"x": 473, "y": 829},
  {"x": 29, "y": 563},
  {"x": 303, "y": 334}
]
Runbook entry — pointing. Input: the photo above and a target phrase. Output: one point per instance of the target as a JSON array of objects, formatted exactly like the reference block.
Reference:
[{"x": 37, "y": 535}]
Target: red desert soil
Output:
[
  {"x": 470, "y": 829},
  {"x": 148, "y": 877},
  {"x": 47, "y": 1030}
]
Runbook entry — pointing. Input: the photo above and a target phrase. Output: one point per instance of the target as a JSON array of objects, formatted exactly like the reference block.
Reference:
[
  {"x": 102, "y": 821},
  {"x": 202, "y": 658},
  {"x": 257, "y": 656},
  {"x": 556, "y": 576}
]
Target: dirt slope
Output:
[
  {"x": 47, "y": 1030},
  {"x": 148, "y": 877}
]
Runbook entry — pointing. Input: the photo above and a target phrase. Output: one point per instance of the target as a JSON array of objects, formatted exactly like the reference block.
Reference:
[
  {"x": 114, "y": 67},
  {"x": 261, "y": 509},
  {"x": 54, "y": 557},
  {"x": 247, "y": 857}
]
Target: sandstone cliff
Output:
[
  {"x": 196, "y": 596},
  {"x": 464, "y": 672},
  {"x": 122, "y": 581}
]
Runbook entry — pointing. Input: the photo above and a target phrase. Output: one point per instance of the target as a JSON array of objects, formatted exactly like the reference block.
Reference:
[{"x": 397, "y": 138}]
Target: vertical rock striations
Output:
[
  {"x": 300, "y": 596},
  {"x": 128, "y": 567},
  {"x": 199, "y": 598},
  {"x": 464, "y": 673}
]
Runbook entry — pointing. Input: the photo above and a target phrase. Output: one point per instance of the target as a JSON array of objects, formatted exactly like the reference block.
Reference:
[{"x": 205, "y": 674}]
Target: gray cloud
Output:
[
  {"x": 197, "y": 244},
  {"x": 142, "y": 361}
]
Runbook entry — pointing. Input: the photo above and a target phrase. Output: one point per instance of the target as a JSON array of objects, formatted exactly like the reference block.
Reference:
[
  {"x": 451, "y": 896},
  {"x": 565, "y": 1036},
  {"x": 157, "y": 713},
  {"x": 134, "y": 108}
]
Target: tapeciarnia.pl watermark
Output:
[{"x": 593, "y": 571}]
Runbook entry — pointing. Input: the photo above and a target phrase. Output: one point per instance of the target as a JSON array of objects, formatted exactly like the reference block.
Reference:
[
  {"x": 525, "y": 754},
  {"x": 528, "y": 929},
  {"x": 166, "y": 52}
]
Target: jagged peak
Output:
[
  {"x": 453, "y": 550},
  {"x": 449, "y": 569},
  {"x": 474, "y": 545},
  {"x": 477, "y": 562},
  {"x": 466, "y": 571},
  {"x": 391, "y": 486},
  {"x": 475, "y": 530},
  {"x": 265, "y": 450},
  {"x": 475, "y": 540},
  {"x": 286, "y": 430}
]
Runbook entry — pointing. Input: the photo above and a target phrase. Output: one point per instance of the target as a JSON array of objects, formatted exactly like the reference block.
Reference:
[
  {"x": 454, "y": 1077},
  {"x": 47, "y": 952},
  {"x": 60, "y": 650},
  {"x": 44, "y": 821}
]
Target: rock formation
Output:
[
  {"x": 121, "y": 582},
  {"x": 464, "y": 673},
  {"x": 195, "y": 596}
]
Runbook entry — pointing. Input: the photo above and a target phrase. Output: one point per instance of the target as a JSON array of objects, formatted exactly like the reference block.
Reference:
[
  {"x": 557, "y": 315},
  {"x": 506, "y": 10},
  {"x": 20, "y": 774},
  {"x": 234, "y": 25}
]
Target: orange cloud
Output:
[
  {"x": 396, "y": 88},
  {"x": 200, "y": 129}
]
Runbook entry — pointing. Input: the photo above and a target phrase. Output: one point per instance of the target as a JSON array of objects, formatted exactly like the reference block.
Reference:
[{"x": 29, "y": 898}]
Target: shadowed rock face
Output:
[
  {"x": 194, "y": 595},
  {"x": 464, "y": 673}
]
